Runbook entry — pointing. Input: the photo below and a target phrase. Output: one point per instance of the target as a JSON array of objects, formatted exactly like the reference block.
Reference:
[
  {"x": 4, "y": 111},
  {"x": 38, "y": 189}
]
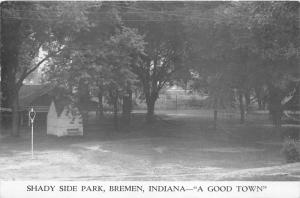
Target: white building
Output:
[{"x": 63, "y": 120}]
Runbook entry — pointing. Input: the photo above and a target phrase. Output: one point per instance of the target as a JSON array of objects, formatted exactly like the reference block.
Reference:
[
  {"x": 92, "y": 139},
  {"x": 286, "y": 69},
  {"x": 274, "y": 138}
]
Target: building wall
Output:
[{"x": 65, "y": 124}]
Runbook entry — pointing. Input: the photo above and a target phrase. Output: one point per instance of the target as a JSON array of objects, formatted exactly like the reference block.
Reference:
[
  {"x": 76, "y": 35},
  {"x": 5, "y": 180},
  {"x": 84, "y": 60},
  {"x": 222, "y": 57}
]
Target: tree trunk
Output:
[
  {"x": 215, "y": 106},
  {"x": 100, "y": 105},
  {"x": 127, "y": 107},
  {"x": 275, "y": 106},
  {"x": 10, "y": 44},
  {"x": 6, "y": 94},
  {"x": 15, "y": 115},
  {"x": 263, "y": 104},
  {"x": 115, "y": 105},
  {"x": 150, "y": 109},
  {"x": 215, "y": 119},
  {"x": 247, "y": 100},
  {"x": 259, "y": 98},
  {"x": 260, "y": 104},
  {"x": 242, "y": 109},
  {"x": 85, "y": 119}
]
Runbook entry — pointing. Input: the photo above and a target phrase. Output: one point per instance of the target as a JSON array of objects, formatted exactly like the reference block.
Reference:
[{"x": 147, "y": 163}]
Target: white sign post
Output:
[{"x": 31, "y": 115}]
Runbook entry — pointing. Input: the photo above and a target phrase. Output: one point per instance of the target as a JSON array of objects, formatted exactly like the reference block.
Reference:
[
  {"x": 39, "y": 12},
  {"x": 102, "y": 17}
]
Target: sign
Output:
[
  {"x": 143, "y": 189},
  {"x": 31, "y": 115}
]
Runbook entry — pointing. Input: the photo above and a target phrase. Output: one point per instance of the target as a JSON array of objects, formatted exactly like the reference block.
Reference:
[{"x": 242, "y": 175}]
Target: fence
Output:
[
  {"x": 6, "y": 115},
  {"x": 175, "y": 102}
]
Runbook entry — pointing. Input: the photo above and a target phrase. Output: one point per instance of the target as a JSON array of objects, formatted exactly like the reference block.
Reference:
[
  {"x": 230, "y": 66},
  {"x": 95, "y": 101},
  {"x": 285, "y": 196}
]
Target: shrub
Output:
[
  {"x": 291, "y": 150},
  {"x": 194, "y": 102}
]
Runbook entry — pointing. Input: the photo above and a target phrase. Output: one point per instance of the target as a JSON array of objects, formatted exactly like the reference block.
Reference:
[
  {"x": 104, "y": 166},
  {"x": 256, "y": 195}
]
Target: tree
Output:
[
  {"x": 26, "y": 29},
  {"x": 100, "y": 57},
  {"x": 270, "y": 48},
  {"x": 164, "y": 47},
  {"x": 254, "y": 44},
  {"x": 121, "y": 46},
  {"x": 210, "y": 55},
  {"x": 277, "y": 35}
]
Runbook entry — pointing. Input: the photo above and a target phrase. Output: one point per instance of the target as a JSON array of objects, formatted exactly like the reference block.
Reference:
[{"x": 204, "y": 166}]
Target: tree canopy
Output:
[{"x": 111, "y": 47}]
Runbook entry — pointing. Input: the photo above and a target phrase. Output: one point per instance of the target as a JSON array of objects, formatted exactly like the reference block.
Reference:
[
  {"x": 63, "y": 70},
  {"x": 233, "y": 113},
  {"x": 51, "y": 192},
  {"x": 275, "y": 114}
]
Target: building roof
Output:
[
  {"x": 29, "y": 93},
  {"x": 60, "y": 104},
  {"x": 43, "y": 95}
]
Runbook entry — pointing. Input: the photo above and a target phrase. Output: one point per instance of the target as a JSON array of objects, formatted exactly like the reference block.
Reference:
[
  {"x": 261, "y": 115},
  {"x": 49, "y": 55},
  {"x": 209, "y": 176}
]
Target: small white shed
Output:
[{"x": 64, "y": 120}]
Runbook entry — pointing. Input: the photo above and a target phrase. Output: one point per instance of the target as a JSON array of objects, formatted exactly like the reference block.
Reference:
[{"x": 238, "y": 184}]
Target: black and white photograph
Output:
[{"x": 150, "y": 91}]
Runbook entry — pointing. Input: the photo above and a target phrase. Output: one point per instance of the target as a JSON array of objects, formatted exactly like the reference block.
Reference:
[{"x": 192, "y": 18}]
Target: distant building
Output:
[
  {"x": 53, "y": 113},
  {"x": 177, "y": 90}
]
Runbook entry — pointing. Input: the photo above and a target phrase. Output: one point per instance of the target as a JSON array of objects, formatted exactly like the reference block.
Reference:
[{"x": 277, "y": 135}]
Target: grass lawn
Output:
[{"x": 178, "y": 146}]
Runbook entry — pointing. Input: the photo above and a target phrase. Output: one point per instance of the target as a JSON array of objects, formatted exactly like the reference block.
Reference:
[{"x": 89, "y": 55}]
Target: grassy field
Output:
[{"x": 178, "y": 146}]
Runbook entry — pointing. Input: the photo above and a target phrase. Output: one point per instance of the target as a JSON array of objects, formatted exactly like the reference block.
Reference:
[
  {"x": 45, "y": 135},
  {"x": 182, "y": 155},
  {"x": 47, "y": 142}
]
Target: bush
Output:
[
  {"x": 291, "y": 150},
  {"x": 194, "y": 102}
]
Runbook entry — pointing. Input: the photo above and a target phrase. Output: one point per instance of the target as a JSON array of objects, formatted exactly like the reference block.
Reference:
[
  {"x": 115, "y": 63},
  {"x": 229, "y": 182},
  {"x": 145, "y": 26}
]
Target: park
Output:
[{"x": 150, "y": 91}]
